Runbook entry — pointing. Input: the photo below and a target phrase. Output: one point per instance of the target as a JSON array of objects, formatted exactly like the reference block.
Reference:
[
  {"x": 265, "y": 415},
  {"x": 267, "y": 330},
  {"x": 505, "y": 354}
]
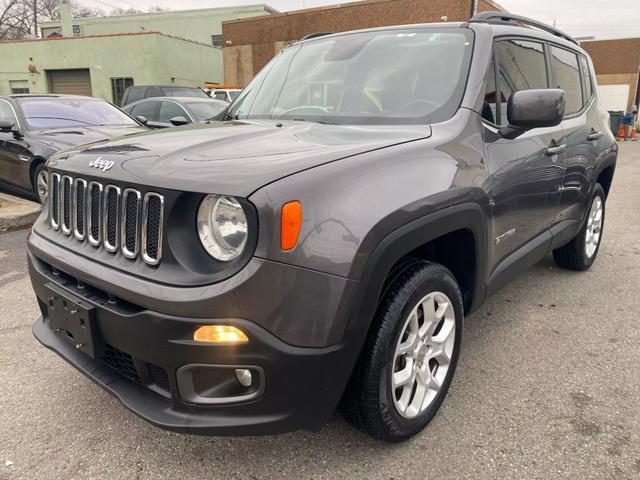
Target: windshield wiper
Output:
[{"x": 66, "y": 119}]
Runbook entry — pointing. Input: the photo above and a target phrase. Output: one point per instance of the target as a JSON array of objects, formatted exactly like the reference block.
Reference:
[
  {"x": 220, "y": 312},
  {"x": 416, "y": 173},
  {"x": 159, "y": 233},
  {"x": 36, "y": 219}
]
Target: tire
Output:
[
  {"x": 371, "y": 402},
  {"x": 41, "y": 195},
  {"x": 580, "y": 253}
]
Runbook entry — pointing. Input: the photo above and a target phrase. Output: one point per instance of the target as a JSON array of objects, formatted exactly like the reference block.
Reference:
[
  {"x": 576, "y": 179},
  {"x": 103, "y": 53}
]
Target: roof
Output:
[{"x": 45, "y": 96}]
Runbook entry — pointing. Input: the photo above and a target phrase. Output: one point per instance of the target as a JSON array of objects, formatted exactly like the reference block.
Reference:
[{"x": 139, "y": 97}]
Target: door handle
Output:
[
  {"x": 594, "y": 135},
  {"x": 556, "y": 149}
]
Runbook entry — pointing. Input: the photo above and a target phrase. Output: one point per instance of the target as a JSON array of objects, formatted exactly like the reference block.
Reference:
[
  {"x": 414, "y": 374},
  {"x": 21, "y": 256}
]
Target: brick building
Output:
[
  {"x": 617, "y": 65},
  {"x": 250, "y": 43}
]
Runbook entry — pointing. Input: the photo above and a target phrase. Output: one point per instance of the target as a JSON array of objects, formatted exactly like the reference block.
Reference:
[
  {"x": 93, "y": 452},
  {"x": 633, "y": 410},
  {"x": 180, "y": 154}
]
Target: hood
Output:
[
  {"x": 231, "y": 158},
  {"x": 60, "y": 138}
]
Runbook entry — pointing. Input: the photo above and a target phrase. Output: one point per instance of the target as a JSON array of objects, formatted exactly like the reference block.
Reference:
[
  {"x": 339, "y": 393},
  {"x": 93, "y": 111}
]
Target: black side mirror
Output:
[
  {"x": 142, "y": 119},
  {"x": 7, "y": 126},
  {"x": 179, "y": 120},
  {"x": 529, "y": 109}
]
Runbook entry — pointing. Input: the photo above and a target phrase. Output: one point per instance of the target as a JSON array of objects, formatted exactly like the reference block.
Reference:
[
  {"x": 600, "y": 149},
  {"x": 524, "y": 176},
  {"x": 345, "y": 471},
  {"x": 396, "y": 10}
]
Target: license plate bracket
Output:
[{"x": 72, "y": 318}]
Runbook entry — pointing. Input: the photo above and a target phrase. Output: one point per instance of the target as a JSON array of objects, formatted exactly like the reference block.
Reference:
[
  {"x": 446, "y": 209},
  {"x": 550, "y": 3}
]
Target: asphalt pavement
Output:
[{"x": 548, "y": 386}]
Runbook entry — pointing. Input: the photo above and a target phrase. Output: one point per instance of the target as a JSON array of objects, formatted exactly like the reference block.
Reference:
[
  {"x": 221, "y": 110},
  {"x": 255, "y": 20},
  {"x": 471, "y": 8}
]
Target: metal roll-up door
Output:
[{"x": 70, "y": 82}]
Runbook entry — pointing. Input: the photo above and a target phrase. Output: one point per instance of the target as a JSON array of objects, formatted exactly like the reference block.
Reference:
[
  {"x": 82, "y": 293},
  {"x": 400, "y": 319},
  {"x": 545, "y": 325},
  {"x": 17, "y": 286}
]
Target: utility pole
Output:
[{"x": 35, "y": 18}]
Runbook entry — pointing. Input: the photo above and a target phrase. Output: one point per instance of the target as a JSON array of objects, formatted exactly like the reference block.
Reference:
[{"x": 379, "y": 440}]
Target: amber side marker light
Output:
[
  {"x": 220, "y": 334},
  {"x": 291, "y": 221}
]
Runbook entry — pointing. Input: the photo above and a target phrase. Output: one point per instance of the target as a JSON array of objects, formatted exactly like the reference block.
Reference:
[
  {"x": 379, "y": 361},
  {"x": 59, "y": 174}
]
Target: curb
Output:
[{"x": 17, "y": 212}]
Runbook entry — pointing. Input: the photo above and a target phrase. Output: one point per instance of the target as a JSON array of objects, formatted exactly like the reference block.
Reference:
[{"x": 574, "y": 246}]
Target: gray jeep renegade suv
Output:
[{"x": 320, "y": 246}]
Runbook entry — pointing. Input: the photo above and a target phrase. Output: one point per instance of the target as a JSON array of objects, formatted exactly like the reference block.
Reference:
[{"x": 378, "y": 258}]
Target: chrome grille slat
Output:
[
  {"x": 79, "y": 203},
  {"x": 119, "y": 220},
  {"x": 152, "y": 218},
  {"x": 94, "y": 209},
  {"x": 110, "y": 217},
  {"x": 130, "y": 223},
  {"x": 54, "y": 203}
]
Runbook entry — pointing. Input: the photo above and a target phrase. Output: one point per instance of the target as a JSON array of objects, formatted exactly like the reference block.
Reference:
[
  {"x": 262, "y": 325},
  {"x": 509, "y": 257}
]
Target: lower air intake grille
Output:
[
  {"x": 159, "y": 376},
  {"x": 121, "y": 362}
]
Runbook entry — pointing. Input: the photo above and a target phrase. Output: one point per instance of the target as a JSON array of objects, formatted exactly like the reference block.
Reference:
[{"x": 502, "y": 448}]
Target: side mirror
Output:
[
  {"x": 179, "y": 120},
  {"x": 142, "y": 119},
  {"x": 529, "y": 109},
  {"x": 7, "y": 126}
]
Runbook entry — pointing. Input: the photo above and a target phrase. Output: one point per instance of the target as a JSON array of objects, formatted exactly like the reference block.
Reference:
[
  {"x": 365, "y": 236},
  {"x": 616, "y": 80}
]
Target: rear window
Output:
[
  {"x": 184, "y": 92},
  {"x": 134, "y": 94},
  {"x": 567, "y": 77}
]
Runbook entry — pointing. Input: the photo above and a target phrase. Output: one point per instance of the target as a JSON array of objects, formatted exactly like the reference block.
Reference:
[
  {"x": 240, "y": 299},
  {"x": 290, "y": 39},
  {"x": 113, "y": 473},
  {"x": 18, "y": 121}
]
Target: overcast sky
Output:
[{"x": 599, "y": 18}]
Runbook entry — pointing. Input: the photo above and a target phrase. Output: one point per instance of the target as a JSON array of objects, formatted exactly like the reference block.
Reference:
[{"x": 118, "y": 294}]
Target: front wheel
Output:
[
  {"x": 41, "y": 183},
  {"x": 581, "y": 251},
  {"x": 410, "y": 355}
]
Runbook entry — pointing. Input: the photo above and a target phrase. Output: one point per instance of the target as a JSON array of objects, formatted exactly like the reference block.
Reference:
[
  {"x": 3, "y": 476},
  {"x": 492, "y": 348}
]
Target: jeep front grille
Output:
[{"x": 124, "y": 221}]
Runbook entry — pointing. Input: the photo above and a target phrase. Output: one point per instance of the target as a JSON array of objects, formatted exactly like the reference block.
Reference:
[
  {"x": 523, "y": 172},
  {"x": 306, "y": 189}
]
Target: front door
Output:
[
  {"x": 13, "y": 158},
  {"x": 525, "y": 173}
]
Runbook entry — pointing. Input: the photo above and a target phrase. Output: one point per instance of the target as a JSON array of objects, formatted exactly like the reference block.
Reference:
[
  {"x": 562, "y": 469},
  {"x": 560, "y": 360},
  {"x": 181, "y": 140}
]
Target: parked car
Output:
[
  {"x": 138, "y": 92},
  {"x": 33, "y": 127},
  {"x": 174, "y": 111},
  {"x": 228, "y": 95},
  {"x": 322, "y": 247}
]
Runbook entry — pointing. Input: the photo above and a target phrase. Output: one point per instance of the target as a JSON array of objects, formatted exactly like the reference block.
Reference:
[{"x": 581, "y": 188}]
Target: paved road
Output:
[{"x": 548, "y": 387}]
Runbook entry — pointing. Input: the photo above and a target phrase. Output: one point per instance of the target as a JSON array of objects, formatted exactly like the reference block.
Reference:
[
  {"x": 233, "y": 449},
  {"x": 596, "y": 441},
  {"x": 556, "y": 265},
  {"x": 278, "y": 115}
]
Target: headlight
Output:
[{"x": 222, "y": 227}]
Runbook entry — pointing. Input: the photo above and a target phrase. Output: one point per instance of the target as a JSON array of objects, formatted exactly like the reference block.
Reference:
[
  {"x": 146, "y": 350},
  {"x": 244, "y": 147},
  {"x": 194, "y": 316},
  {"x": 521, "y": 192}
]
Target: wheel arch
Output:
[
  {"x": 467, "y": 217},
  {"x": 35, "y": 161}
]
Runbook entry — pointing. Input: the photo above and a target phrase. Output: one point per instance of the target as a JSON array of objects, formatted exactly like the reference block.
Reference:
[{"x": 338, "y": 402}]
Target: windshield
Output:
[
  {"x": 205, "y": 110},
  {"x": 391, "y": 76},
  {"x": 56, "y": 113},
  {"x": 184, "y": 92}
]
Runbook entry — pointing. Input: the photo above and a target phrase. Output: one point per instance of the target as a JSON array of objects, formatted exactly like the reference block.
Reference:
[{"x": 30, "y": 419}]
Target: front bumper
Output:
[{"x": 302, "y": 385}]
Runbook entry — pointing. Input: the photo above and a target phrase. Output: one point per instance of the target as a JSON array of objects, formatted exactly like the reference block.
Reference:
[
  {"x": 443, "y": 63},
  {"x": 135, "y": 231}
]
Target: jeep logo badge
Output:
[{"x": 101, "y": 164}]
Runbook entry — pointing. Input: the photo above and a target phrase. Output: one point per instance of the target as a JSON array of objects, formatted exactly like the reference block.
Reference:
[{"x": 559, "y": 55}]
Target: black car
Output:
[
  {"x": 323, "y": 246},
  {"x": 174, "y": 111},
  {"x": 139, "y": 92},
  {"x": 33, "y": 127}
]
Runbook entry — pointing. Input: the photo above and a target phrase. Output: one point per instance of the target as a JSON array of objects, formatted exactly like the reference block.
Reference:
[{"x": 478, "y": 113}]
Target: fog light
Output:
[
  {"x": 219, "y": 334},
  {"x": 244, "y": 376}
]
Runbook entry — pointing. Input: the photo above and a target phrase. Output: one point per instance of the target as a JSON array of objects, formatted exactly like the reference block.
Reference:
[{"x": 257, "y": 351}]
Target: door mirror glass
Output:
[
  {"x": 179, "y": 120},
  {"x": 538, "y": 108}
]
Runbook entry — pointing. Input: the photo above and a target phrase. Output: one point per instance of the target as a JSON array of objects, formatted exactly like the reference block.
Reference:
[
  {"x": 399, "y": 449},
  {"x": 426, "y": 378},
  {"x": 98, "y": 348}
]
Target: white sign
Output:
[{"x": 614, "y": 97}]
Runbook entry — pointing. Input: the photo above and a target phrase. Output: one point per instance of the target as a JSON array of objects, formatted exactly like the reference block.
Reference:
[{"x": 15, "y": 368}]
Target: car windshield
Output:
[
  {"x": 184, "y": 92},
  {"x": 394, "y": 76},
  {"x": 205, "y": 110},
  {"x": 57, "y": 113}
]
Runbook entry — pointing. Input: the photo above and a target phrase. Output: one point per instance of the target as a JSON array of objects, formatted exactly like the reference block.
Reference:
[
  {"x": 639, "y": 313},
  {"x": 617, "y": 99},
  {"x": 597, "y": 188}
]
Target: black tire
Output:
[
  {"x": 573, "y": 255},
  {"x": 367, "y": 402},
  {"x": 34, "y": 182}
]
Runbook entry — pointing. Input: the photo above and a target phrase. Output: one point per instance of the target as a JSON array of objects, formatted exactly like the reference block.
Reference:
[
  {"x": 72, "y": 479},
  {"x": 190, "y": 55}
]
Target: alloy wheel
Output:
[
  {"x": 423, "y": 354},
  {"x": 42, "y": 186},
  {"x": 594, "y": 227}
]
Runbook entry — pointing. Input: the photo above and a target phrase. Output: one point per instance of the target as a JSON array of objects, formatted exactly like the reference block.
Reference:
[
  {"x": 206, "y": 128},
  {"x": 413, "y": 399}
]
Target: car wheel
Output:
[
  {"x": 41, "y": 183},
  {"x": 410, "y": 354},
  {"x": 581, "y": 252}
]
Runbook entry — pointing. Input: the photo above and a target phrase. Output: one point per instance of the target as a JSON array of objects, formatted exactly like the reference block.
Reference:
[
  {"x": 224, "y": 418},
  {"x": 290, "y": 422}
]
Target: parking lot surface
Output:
[{"x": 548, "y": 386}]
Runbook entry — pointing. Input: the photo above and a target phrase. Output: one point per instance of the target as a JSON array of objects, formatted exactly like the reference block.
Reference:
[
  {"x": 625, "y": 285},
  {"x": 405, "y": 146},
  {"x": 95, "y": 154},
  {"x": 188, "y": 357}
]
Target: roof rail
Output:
[
  {"x": 513, "y": 19},
  {"x": 315, "y": 35}
]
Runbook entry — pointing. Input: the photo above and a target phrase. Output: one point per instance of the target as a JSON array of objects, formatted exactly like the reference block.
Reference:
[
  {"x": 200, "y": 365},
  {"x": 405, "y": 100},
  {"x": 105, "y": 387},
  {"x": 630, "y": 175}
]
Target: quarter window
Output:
[
  {"x": 521, "y": 67},
  {"x": 567, "y": 77},
  {"x": 587, "y": 87}
]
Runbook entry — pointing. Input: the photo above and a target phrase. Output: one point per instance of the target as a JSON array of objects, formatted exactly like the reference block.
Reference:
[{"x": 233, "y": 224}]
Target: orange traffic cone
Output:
[
  {"x": 622, "y": 132},
  {"x": 632, "y": 136}
]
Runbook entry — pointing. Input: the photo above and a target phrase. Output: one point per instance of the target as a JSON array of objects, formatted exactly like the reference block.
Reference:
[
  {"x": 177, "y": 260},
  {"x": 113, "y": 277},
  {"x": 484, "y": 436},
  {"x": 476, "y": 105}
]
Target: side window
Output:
[
  {"x": 521, "y": 66},
  {"x": 168, "y": 110},
  {"x": 146, "y": 109},
  {"x": 587, "y": 86},
  {"x": 220, "y": 95},
  {"x": 567, "y": 77},
  {"x": 6, "y": 112}
]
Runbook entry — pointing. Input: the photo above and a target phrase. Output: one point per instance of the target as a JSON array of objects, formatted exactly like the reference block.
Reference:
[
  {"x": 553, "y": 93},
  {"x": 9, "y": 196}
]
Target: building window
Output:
[
  {"x": 19, "y": 86},
  {"x": 216, "y": 40},
  {"x": 118, "y": 86}
]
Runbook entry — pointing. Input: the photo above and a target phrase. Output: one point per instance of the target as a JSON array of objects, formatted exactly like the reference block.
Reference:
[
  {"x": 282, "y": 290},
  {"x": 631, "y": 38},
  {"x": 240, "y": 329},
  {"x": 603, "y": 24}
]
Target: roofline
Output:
[
  {"x": 264, "y": 6},
  {"x": 104, "y": 35}
]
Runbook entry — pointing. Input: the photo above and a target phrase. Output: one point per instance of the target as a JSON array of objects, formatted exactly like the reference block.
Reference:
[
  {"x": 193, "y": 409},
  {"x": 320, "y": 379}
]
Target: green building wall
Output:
[{"x": 148, "y": 58}]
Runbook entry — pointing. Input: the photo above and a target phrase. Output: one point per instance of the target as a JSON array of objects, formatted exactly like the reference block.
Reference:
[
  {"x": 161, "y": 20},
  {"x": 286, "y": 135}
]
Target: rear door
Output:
[
  {"x": 524, "y": 173},
  {"x": 582, "y": 133}
]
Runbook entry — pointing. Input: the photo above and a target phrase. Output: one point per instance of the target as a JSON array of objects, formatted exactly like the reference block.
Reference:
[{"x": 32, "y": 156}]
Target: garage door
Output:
[{"x": 70, "y": 82}]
